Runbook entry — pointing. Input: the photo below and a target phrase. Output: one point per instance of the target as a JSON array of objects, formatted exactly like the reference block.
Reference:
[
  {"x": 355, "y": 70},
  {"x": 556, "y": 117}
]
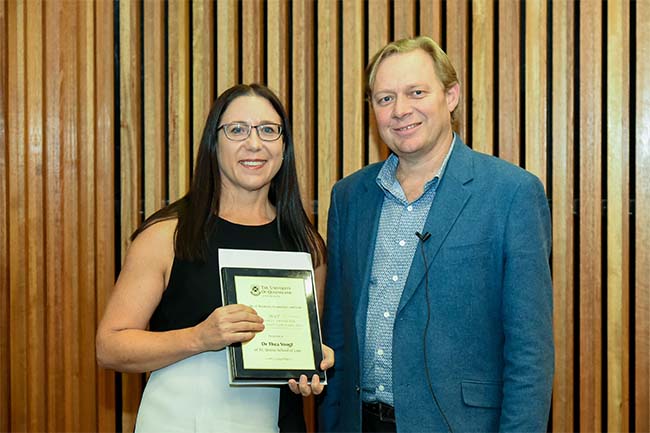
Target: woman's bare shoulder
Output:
[{"x": 155, "y": 242}]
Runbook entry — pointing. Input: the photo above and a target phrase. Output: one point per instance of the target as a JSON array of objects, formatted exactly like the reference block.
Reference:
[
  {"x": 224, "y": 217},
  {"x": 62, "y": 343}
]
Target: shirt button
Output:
[
  {"x": 381, "y": 387},
  {"x": 409, "y": 208},
  {"x": 386, "y": 314},
  {"x": 380, "y": 352},
  {"x": 394, "y": 278},
  {"x": 402, "y": 243}
]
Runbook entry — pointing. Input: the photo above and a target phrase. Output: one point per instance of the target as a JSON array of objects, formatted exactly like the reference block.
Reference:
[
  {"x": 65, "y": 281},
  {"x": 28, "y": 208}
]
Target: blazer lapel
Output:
[
  {"x": 450, "y": 199},
  {"x": 369, "y": 210}
]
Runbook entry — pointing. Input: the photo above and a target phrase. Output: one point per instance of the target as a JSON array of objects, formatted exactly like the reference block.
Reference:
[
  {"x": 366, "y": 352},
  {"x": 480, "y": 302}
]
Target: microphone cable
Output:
[{"x": 423, "y": 238}]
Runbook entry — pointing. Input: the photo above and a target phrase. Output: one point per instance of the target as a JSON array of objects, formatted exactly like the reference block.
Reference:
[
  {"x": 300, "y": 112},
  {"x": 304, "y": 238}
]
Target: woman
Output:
[{"x": 244, "y": 195}]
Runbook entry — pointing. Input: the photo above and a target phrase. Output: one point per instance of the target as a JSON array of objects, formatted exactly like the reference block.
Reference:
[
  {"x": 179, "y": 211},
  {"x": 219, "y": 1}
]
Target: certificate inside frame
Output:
[{"x": 283, "y": 363}]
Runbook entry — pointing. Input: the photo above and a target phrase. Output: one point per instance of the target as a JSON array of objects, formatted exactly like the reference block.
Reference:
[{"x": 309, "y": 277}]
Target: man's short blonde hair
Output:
[{"x": 441, "y": 64}]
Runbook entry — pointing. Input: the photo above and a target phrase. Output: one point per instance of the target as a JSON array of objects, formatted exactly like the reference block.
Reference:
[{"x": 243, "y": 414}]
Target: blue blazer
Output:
[{"x": 489, "y": 342}]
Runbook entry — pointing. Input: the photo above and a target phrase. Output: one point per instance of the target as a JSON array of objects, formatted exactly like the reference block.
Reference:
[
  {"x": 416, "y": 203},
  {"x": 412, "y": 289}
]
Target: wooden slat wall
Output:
[
  {"x": 202, "y": 26},
  {"x": 535, "y": 78},
  {"x": 277, "y": 49},
  {"x": 154, "y": 95},
  {"x": 590, "y": 216},
  {"x": 58, "y": 220},
  {"x": 378, "y": 35},
  {"x": 483, "y": 74},
  {"x": 458, "y": 39},
  {"x": 618, "y": 219},
  {"x": 327, "y": 105},
  {"x": 89, "y": 147},
  {"x": 130, "y": 159},
  {"x": 34, "y": 157},
  {"x": 4, "y": 235},
  {"x": 302, "y": 97},
  {"x": 178, "y": 64},
  {"x": 641, "y": 257},
  {"x": 353, "y": 90},
  {"x": 563, "y": 214},
  {"x": 105, "y": 230},
  {"x": 509, "y": 90},
  {"x": 20, "y": 409}
]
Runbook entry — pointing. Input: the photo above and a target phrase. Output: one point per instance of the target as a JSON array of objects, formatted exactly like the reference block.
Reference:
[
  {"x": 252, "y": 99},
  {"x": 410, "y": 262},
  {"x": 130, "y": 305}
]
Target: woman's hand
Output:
[
  {"x": 306, "y": 389},
  {"x": 234, "y": 323}
]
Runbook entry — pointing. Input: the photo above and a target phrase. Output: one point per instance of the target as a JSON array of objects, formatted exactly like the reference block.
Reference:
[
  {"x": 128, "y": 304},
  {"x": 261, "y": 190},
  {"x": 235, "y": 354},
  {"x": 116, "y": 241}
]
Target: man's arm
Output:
[{"x": 527, "y": 312}]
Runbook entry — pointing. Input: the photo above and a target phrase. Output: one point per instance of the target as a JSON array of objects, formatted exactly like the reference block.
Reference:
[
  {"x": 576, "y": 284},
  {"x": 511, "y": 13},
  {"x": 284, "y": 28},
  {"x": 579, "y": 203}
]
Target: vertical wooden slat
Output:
[
  {"x": 618, "y": 193},
  {"x": 642, "y": 219},
  {"x": 277, "y": 49},
  {"x": 378, "y": 34},
  {"x": 562, "y": 200},
  {"x": 54, "y": 222},
  {"x": 5, "y": 414},
  {"x": 155, "y": 174},
  {"x": 302, "y": 102},
  {"x": 590, "y": 124},
  {"x": 252, "y": 49},
  {"x": 483, "y": 75},
  {"x": 302, "y": 98},
  {"x": 17, "y": 27},
  {"x": 104, "y": 203},
  {"x": 202, "y": 67},
  {"x": 35, "y": 269},
  {"x": 87, "y": 265},
  {"x": 536, "y": 100},
  {"x": 509, "y": 80},
  {"x": 431, "y": 19},
  {"x": 457, "y": 50},
  {"x": 70, "y": 186},
  {"x": 353, "y": 64},
  {"x": 130, "y": 115},
  {"x": 328, "y": 106},
  {"x": 179, "y": 98},
  {"x": 227, "y": 45},
  {"x": 403, "y": 19},
  {"x": 130, "y": 160}
]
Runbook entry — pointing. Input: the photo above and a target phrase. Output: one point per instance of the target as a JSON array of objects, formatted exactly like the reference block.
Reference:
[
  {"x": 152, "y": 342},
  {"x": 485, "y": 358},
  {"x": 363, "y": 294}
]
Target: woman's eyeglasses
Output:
[{"x": 238, "y": 131}]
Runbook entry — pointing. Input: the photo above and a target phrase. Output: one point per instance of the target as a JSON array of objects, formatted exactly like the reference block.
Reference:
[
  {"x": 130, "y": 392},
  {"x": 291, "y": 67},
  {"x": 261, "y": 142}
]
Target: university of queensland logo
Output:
[{"x": 255, "y": 290}]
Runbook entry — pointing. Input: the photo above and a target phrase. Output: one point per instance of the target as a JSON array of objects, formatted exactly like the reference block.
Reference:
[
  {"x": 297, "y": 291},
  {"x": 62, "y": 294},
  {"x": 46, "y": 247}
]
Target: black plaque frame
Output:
[{"x": 241, "y": 375}]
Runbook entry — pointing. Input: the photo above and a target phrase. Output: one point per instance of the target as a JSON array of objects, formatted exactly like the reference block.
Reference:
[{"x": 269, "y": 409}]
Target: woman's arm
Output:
[{"x": 124, "y": 344}]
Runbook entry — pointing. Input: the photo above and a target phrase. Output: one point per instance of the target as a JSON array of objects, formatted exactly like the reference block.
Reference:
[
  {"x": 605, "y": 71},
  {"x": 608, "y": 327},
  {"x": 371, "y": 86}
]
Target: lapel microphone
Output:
[{"x": 423, "y": 238}]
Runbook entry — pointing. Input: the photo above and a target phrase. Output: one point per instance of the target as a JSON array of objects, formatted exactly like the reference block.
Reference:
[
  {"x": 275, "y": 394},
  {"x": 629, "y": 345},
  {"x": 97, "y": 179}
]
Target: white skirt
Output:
[{"x": 193, "y": 395}]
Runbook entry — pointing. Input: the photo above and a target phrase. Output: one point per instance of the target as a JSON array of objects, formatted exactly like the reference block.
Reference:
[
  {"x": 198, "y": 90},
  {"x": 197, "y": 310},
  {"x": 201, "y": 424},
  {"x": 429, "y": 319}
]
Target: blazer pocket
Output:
[
  {"x": 482, "y": 394},
  {"x": 467, "y": 254}
]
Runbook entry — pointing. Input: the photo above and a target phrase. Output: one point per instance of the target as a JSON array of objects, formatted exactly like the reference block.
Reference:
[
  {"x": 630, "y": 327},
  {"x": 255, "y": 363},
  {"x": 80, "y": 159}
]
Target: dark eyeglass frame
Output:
[{"x": 249, "y": 128}]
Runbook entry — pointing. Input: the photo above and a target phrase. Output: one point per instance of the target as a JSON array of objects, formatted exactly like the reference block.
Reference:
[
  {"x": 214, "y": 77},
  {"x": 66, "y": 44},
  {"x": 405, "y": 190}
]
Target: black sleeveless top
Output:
[{"x": 194, "y": 292}]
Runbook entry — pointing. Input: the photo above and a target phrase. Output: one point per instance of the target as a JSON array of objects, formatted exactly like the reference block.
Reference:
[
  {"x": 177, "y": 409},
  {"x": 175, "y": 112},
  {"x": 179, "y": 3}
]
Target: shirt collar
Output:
[{"x": 387, "y": 176}]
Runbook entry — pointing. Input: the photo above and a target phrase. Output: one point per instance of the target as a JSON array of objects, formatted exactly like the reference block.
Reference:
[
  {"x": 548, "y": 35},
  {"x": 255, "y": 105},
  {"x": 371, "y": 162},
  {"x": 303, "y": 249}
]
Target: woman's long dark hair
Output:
[{"x": 197, "y": 211}]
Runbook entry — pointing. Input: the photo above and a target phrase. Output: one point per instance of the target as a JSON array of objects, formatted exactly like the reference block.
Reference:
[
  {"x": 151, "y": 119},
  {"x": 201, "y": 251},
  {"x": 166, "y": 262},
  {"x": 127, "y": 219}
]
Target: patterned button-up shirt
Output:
[{"x": 394, "y": 250}]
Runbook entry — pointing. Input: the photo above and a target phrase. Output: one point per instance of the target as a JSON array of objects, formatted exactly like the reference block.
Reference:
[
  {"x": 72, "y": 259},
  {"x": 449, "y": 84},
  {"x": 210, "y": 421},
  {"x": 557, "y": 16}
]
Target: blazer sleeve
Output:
[
  {"x": 527, "y": 312},
  {"x": 333, "y": 323}
]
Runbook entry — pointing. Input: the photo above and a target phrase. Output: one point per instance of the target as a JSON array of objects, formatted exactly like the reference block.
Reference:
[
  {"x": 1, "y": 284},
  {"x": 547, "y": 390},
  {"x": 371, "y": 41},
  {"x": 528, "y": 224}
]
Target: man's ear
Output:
[{"x": 453, "y": 95}]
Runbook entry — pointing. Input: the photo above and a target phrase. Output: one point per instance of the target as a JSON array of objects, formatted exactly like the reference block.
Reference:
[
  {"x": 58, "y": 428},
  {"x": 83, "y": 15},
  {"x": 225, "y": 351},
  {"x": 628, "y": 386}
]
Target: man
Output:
[{"x": 438, "y": 295}]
